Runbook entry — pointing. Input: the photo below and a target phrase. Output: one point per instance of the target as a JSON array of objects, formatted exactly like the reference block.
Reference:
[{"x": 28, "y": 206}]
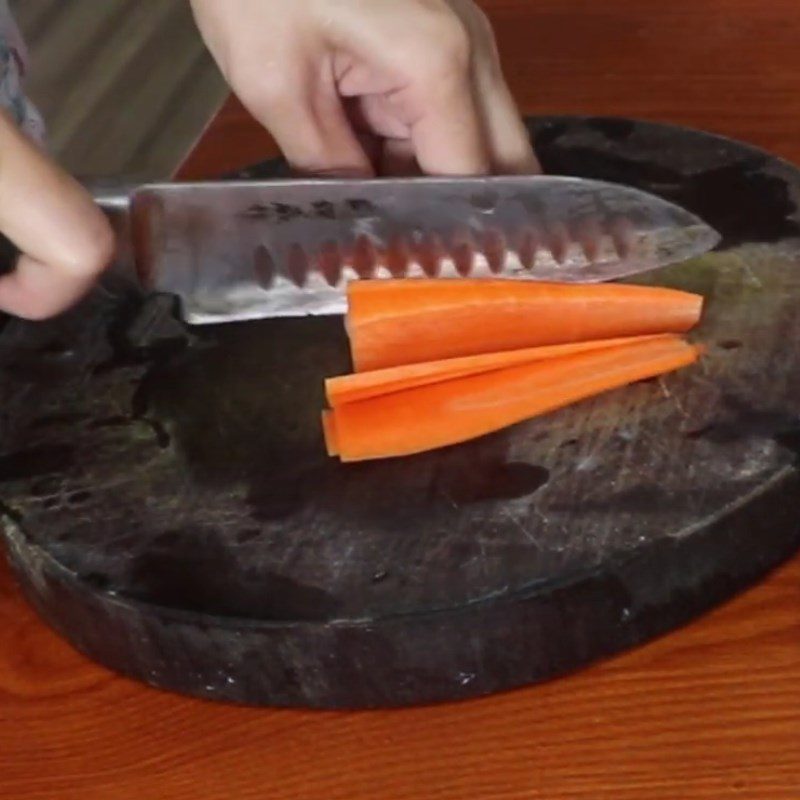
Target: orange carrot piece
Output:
[
  {"x": 363, "y": 385},
  {"x": 441, "y": 414},
  {"x": 329, "y": 431},
  {"x": 397, "y": 322}
]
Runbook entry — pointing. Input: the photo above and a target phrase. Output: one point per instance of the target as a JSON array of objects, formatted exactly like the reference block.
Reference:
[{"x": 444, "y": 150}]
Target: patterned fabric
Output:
[{"x": 13, "y": 60}]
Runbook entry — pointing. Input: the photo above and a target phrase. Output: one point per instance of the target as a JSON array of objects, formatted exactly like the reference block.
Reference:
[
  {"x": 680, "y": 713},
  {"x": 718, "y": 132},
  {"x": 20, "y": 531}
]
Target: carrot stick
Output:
[
  {"x": 452, "y": 411},
  {"x": 363, "y": 385},
  {"x": 329, "y": 431},
  {"x": 397, "y": 322}
]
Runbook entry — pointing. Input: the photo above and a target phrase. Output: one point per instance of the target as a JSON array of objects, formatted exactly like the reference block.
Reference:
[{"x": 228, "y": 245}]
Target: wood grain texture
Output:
[
  {"x": 725, "y": 66},
  {"x": 124, "y": 85},
  {"x": 712, "y": 711}
]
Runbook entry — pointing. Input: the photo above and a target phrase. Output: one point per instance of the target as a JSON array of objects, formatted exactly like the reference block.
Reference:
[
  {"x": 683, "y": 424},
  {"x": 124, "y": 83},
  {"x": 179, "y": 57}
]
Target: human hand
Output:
[
  {"x": 357, "y": 86},
  {"x": 64, "y": 238}
]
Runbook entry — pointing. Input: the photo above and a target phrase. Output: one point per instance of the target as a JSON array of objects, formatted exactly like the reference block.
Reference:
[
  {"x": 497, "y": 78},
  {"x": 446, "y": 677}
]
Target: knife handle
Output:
[{"x": 9, "y": 255}]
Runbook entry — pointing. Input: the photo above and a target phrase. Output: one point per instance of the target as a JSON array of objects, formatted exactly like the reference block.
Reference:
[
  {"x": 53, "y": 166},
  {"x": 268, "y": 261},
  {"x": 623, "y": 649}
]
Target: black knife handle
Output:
[{"x": 9, "y": 255}]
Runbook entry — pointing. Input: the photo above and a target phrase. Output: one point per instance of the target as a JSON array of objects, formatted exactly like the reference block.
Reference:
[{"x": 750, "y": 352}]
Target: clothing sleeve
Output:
[{"x": 13, "y": 63}]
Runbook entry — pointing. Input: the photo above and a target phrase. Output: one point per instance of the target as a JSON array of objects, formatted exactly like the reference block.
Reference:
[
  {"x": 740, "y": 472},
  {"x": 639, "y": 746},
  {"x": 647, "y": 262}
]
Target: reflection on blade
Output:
[{"x": 288, "y": 248}]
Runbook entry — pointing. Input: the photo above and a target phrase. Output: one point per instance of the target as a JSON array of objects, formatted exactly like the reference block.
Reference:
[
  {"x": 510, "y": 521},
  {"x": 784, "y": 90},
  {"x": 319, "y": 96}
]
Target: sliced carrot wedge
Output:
[
  {"x": 453, "y": 411},
  {"x": 397, "y": 322},
  {"x": 363, "y": 385}
]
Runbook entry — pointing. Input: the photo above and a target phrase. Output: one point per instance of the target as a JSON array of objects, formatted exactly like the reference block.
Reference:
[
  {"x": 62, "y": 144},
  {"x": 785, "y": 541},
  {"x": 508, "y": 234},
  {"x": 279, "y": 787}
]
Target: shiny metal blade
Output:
[{"x": 246, "y": 250}]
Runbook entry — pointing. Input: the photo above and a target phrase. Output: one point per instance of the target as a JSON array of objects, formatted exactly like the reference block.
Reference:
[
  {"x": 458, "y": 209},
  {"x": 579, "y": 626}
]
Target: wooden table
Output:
[{"x": 712, "y": 711}]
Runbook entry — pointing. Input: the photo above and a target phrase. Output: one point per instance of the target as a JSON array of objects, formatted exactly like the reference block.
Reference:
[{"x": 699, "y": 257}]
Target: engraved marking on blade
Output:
[
  {"x": 324, "y": 209},
  {"x": 484, "y": 202},
  {"x": 257, "y": 211}
]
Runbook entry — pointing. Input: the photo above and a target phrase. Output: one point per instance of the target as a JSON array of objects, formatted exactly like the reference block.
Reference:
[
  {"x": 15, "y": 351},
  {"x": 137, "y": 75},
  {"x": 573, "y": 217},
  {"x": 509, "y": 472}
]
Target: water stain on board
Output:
[
  {"x": 199, "y": 572},
  {"x": 737, "y": 420},
  {"x": 491, "y": 481},
  {"x": 243, "y": 406}
]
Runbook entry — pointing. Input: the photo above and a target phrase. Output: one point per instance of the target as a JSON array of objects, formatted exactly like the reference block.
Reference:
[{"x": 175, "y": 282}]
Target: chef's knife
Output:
[{"x": 244, "y": 250}]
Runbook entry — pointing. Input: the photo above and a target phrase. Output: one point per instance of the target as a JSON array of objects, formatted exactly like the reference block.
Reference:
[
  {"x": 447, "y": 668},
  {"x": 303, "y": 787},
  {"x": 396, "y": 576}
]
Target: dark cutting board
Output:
[{"x": 170, "y": 510}]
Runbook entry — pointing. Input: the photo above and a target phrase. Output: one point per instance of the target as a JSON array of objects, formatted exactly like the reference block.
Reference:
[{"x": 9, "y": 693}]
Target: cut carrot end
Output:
[{"x": 329, "y": 432}]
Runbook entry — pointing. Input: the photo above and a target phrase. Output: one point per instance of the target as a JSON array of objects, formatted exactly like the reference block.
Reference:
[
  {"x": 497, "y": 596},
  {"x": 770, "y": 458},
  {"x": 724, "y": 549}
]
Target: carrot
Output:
[
  {"x": 452, "y": 411},
  {"x": 329, "y": 431},
  {"x": 363, "y": 385},
  {"x": 397, "y": 322}
]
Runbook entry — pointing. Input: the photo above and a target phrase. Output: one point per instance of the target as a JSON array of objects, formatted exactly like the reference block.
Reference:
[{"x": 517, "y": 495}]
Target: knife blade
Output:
[{"x": 245, "y": 250}]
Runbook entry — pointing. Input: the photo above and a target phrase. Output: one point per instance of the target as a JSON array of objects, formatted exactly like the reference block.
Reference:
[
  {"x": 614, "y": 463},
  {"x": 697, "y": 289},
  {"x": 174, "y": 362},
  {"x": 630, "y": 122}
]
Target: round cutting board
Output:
[{"x": 169, "y": 508}]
